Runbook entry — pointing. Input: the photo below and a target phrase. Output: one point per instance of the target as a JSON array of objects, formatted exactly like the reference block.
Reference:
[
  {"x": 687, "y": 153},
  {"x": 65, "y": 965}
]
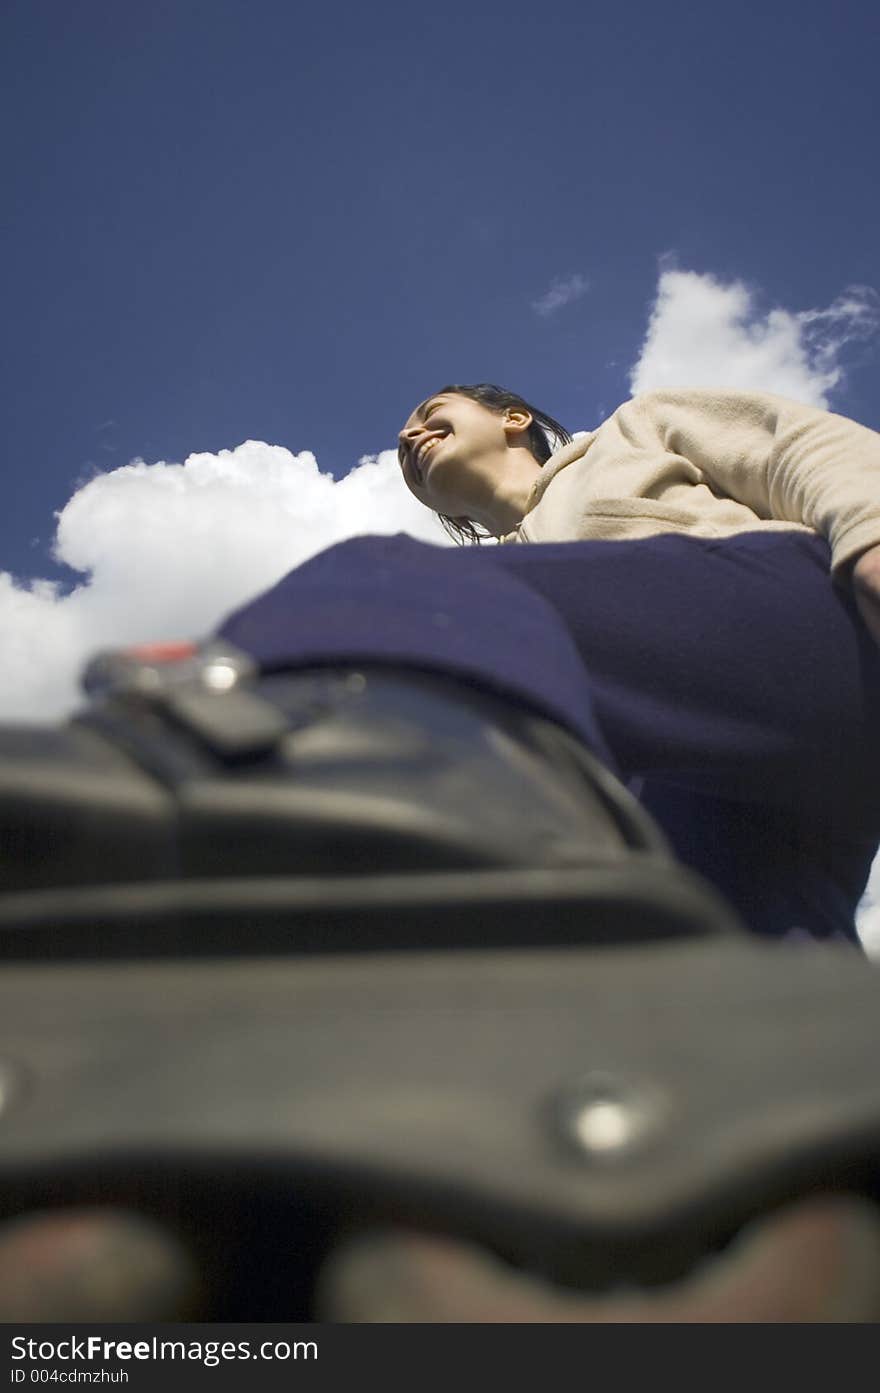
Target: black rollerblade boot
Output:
[{"x": 197, "y": 802}]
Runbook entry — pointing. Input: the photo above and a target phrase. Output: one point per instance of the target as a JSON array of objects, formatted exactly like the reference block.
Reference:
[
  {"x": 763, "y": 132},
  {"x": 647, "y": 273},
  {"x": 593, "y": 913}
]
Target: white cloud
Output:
[
  {"x": 703, "y": 332},
  {"x": 868, "y": 913},
  {"x": 168, "y": 549},
  {"x": 562, "y": 292}
]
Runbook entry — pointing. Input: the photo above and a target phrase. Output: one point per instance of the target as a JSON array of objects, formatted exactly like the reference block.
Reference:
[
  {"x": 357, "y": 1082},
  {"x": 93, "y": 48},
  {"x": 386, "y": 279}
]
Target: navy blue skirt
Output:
[{"x": 730, "y": 681}]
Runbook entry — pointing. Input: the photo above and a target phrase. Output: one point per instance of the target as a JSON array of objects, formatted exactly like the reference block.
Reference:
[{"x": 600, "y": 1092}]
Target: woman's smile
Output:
[{"x": 425, "y": 448}]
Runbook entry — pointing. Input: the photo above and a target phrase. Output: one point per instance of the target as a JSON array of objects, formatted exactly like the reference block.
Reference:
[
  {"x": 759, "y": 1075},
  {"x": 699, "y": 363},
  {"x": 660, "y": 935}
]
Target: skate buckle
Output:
[{"x": 204, "y": 687}]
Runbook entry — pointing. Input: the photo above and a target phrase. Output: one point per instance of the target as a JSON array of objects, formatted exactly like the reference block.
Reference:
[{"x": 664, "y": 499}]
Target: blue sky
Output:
[{"x": 265, "y": 220}]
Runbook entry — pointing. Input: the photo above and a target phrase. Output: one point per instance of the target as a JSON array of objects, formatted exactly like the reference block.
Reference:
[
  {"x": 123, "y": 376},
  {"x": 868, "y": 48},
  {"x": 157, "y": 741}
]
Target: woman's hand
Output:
[{"x": 866, "y": 588}]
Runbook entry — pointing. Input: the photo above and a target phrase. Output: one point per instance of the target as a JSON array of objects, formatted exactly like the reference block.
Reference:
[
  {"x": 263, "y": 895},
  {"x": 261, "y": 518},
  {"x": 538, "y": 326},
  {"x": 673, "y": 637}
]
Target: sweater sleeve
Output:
[{"x": 782, "y": 459}]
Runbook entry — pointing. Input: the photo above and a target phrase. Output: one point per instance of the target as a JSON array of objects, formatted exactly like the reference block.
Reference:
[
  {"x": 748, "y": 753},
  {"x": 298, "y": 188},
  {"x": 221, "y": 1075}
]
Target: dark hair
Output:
[{"x": 544, "y": 436}]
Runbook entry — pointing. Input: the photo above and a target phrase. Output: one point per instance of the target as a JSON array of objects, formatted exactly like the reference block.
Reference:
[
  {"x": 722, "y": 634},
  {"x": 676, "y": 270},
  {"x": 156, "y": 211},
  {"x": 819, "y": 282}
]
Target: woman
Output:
[
  {"x": 731, "y": 678},
  {"x": 707, "y": 463}
]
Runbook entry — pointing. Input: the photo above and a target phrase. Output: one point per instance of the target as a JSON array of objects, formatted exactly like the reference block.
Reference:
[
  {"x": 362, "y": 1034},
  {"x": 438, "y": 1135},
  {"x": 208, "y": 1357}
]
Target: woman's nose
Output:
[{"x": 409, "y": 437}]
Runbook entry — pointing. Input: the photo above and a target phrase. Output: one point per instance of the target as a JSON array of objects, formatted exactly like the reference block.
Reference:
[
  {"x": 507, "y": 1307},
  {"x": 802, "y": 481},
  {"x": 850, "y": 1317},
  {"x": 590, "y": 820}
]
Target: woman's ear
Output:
[{"x": 516, "y": 420}]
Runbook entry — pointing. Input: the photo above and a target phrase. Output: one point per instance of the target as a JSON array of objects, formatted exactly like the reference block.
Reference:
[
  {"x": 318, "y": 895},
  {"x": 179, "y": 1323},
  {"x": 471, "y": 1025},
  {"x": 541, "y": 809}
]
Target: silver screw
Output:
[
  {"x": 606, "y": 1117},
  {"x": 219, "y": 676}
]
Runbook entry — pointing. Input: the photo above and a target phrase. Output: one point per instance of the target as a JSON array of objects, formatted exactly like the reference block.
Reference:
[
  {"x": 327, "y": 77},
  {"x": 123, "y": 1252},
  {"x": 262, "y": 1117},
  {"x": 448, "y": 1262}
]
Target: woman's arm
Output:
[
  {"x": 780, "y": 458},
  {"x": 866, "y": 588}
]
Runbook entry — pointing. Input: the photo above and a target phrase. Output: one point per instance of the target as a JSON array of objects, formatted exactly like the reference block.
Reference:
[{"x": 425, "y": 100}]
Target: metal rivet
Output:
[
  {"x": 143, "y": 680},
  {"x": 606, "y": 1124},
  {"x": 605, "y": 1117},
  {"x": 220, "y": 676}
]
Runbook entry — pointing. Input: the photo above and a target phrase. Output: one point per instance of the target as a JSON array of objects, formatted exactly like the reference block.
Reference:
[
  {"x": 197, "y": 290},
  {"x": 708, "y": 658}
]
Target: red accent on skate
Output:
[{"x": 161, "y": 652}]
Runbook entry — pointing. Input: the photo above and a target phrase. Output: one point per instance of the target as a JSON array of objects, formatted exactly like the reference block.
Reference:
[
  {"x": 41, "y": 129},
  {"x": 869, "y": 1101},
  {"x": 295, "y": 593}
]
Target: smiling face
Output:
[{"x": 460, "y": 458}]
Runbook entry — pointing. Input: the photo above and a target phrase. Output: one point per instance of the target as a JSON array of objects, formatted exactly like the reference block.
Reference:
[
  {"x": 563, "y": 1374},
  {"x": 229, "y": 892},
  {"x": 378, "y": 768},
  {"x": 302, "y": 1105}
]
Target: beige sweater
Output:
[{"x": 712, "y": 463}]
